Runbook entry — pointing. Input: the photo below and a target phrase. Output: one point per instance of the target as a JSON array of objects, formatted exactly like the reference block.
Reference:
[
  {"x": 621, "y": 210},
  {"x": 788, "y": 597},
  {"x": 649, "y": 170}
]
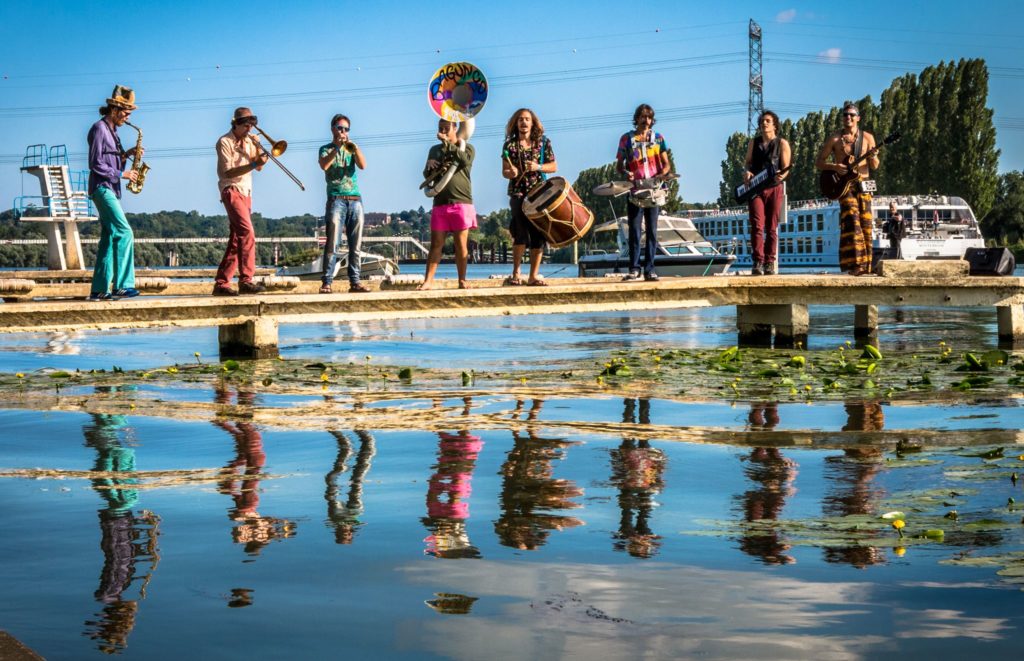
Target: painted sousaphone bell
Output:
[{"x": 456, "y": 92}]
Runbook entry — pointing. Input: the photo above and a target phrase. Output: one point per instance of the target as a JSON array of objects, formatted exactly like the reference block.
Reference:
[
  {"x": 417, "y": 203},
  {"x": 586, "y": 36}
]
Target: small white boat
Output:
[
  {"x": 682, "y": 251},
  {"x": 370, "y": 265}
]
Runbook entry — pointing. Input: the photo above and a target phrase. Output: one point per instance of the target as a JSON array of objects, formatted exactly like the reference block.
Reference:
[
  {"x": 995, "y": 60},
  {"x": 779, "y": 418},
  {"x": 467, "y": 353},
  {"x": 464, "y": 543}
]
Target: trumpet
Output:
[{"x": 277, "y": 148}]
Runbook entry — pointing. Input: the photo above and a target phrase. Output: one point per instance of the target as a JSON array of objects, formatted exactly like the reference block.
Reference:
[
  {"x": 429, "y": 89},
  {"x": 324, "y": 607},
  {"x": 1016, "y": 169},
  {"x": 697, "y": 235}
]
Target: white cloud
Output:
[
  {"x": 785, "y": 16},
  {"x": 831, "y": 55}
]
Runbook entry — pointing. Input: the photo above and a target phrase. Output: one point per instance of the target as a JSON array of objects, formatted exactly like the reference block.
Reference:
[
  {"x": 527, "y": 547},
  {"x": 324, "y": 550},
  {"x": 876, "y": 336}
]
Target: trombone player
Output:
[{"x": 238, "y": 154}]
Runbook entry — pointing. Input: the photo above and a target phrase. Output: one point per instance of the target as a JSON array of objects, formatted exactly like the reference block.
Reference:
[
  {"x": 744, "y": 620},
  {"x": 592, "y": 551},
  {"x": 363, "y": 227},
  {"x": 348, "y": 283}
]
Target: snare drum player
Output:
[
  {"x": 237, "y": 156},
  {"x": 526, "y": 159},
  {"x": 453, "y": 210},
  {"x": 643, "y": 158},
  {"x": 339, "y": 159},
  {"x": 855, "y": 207},
  {"x": 767, "y": 147}
]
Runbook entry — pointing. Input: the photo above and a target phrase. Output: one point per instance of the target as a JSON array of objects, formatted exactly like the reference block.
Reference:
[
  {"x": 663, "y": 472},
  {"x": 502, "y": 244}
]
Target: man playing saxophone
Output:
[
  {"x": 237, "y": 156},
  {"x": 114, "y": 274}
]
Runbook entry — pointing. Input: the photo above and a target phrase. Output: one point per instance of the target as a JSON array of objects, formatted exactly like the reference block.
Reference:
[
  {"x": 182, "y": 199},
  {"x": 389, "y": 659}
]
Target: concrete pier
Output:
[{"x": 767, "y": 308}]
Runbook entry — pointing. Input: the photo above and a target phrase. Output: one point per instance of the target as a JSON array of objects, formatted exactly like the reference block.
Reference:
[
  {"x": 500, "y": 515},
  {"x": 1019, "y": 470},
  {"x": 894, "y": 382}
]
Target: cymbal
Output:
[{"x": 611, "y": 188}]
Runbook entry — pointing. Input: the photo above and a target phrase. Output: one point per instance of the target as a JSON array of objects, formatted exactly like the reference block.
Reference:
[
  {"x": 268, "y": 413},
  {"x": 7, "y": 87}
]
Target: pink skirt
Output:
[{"x": 452, "y": 217}]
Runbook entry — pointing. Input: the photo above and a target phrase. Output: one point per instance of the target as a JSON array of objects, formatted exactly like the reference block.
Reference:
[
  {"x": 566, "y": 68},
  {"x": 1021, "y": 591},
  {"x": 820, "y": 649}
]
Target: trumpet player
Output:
[
  {"x": 339, "y": 159},
  {"x": 114, "y": 274},
  {"x": 238, "y": 154}
]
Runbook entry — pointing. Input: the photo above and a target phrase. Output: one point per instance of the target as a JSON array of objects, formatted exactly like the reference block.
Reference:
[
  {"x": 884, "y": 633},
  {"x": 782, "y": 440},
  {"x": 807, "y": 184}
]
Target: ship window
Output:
[
  {"x": 821, "y": 222},
  {"x": 820, "y": 247}
]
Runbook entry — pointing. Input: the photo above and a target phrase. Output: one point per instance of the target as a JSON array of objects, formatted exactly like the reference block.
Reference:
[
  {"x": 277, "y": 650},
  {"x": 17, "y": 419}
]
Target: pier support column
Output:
[
  {"x": 254, "y": 338},
  {"x": 755, "y": 323},
  {"x": 1010, "y": 320},
  {"x": 865, "y": 320}
]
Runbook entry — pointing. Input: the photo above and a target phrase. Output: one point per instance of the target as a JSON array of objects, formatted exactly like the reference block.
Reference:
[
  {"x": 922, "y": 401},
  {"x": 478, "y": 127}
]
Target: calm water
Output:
[{"x": 558, "y": 529}]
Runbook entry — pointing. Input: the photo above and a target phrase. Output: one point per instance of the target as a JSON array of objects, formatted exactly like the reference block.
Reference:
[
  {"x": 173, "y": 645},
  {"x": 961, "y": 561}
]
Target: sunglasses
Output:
[
  {"x": 849, "y": 114},
  {"x": 341, "y": 127},
  {"x": 251, "y": 119}
]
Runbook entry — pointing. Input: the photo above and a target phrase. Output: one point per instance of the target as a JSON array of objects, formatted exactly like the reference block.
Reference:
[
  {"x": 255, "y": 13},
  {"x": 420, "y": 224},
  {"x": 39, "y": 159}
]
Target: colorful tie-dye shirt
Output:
[
  {"x": 341, "y": 174},
  {"x": 632, "y": 151}
]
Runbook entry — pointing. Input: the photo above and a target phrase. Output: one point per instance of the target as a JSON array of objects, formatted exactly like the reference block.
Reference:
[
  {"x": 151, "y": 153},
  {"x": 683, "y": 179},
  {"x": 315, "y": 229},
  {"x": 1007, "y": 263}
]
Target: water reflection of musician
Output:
[
  {"x": 850, "y": 477},
  {"x": 774, "y": 475},
  {"x": 526, "y": 159},
  {"x": 528, "y": 486},
  {"x": 766, "y": 149},
  {"x": 127, "y": 537},
  {"x": 642, "y": 156},
  {"x": 241, "y": 477},
  {"x": 448, "y": 492},
  {"x": 343, "y": 514},
  {"x": 637, "y": 470}
]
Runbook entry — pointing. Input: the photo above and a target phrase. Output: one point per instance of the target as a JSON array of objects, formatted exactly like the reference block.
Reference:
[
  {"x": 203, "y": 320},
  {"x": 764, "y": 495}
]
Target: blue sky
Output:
[{"x": 582, "y": 66}]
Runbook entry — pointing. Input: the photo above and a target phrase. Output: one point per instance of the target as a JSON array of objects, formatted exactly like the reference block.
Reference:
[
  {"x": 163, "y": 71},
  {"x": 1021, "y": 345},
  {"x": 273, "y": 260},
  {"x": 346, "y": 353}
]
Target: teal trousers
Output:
[{"x": 115, "y": 255}]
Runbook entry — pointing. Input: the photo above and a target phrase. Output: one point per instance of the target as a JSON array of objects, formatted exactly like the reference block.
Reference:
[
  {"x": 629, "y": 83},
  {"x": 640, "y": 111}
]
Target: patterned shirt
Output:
[
  {"x": 643, "y": 159},
  {"x": 539, "y": 153},
  {"x": 341, "y": 174}
]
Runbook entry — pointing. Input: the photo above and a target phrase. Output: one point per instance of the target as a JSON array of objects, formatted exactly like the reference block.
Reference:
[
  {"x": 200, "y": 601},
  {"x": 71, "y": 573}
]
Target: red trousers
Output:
[
  {"x": 765, "y": 208},
  {"x": 241, "y": 250}
]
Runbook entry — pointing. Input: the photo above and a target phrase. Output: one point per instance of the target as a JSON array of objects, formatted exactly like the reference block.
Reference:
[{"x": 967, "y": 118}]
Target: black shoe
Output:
[
  {"x": 771, "y": 269},
  {"x": 223, "y": 290},
  {"x": 631, "y": 276},
  {"x": 651, "y": 277},
  {"x": 251, "y": 288},
  {"x": 101, "y": 296}
]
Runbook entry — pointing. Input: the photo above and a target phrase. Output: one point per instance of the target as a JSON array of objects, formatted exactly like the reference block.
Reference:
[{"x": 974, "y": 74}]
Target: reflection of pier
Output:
[{"x": 248, "y": 324}]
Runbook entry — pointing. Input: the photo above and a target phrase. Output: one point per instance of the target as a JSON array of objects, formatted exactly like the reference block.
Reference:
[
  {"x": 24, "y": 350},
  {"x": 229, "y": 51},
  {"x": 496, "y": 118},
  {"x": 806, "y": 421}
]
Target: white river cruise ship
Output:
[{"x": 938, "y": 226}]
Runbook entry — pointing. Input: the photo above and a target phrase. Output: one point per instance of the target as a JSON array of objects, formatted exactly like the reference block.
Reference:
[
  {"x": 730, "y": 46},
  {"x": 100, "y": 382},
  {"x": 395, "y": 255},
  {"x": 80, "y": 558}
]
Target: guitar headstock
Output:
[{"x": 895, "y": 136}]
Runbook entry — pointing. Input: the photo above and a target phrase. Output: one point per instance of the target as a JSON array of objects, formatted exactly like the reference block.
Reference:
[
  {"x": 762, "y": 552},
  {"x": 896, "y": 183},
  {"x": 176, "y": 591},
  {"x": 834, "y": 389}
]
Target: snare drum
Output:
[
  {"x": 557, "y": 211},
  {"x": 648, "y": 193}
]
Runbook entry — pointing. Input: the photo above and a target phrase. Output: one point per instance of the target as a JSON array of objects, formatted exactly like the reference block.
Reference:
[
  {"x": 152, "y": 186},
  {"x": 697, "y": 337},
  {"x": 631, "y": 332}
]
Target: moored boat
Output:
[{"x": 682, "y": 251}]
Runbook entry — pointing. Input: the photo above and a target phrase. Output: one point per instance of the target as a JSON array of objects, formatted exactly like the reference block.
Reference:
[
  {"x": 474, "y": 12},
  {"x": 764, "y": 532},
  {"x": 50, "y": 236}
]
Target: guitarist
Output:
[
  {"x": 766, "y": 148},
  {"x": 854, "y": 206}
]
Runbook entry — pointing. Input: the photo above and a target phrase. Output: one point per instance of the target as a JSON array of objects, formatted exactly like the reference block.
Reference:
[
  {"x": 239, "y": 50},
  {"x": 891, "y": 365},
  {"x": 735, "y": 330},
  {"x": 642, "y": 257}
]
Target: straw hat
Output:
[{"x": 122, "y": 97}]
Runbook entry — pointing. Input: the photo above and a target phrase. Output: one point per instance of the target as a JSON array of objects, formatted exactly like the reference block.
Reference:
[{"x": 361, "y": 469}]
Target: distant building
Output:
[{"x": 375, "y": 219}]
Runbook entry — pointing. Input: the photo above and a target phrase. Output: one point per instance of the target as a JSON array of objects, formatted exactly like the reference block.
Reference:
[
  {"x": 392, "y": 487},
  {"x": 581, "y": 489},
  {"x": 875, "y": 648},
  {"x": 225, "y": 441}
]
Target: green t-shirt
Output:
[{"x": 341, "y": 175}]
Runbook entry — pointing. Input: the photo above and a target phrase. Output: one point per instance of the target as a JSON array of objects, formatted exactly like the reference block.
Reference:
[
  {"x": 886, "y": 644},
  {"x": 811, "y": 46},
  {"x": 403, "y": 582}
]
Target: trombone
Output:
[{"x": 276, "y": 149}]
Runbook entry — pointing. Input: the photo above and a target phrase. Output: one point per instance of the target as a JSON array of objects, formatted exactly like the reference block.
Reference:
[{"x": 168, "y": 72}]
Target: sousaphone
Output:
[{"x": 457, "y": 92}]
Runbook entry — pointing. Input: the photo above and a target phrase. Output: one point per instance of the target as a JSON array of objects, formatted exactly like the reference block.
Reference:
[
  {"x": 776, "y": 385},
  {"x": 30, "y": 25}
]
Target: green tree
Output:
[{"x": 1004, "y": 223}]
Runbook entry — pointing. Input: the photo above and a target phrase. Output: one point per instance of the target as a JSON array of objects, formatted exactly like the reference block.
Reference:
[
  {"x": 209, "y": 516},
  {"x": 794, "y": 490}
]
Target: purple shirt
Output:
[{"x": 106, "y": 158}]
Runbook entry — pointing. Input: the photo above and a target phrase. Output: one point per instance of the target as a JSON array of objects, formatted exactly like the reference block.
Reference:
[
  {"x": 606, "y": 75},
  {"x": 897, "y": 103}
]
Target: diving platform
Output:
[
  {"x": 770, "y": 310},
  {"x": 62, "y": 203}
]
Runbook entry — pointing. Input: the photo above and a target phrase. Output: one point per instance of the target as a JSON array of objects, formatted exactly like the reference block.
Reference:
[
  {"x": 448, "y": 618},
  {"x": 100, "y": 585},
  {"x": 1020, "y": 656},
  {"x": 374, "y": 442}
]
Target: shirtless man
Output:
[{"x": 854, "y": 207}]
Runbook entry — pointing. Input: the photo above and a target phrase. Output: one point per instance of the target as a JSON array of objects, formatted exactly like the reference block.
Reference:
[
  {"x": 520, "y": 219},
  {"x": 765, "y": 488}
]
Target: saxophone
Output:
[{"x": 138, "y": 166}]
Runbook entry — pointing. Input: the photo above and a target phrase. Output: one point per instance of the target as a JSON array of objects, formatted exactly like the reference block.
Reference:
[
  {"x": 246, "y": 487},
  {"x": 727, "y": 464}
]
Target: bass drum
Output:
[{"x": 557, "y": 211}]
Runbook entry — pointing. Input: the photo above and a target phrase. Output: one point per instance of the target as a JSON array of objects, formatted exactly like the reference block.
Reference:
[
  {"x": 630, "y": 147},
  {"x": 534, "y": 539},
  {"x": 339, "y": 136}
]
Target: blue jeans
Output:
[
  {"x": 635, "y": 215},
  {"x": 349, "y": 212}
]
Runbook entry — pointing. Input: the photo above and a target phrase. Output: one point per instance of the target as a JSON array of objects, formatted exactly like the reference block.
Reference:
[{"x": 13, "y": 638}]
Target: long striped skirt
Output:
[{"x": 855, "y": 232}]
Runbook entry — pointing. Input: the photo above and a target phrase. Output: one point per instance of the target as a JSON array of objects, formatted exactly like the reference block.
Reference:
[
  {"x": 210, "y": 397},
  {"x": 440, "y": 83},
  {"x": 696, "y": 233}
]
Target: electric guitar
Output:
[{"x": 834, "y": 185}]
